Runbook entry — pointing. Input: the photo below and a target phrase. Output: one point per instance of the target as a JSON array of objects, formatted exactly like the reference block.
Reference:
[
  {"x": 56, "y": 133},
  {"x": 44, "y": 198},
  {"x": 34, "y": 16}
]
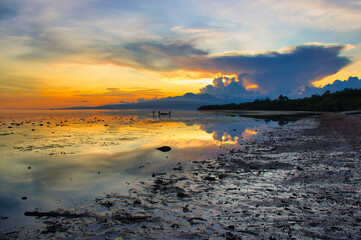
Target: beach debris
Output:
[{"x": 164, "y": 148}]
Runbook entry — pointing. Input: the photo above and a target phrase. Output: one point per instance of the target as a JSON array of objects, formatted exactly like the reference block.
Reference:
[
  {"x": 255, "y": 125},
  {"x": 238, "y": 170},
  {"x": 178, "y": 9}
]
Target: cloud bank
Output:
[{"x": 275, "y": 72}]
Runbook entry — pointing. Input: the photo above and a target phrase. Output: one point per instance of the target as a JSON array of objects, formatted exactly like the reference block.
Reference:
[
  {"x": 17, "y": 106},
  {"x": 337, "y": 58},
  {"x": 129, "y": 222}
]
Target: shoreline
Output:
[{"x": 300, "y": 180}]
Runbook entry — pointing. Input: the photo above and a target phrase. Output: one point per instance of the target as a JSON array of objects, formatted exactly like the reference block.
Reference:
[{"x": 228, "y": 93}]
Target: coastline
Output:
[{"x": 300, "y": 180}]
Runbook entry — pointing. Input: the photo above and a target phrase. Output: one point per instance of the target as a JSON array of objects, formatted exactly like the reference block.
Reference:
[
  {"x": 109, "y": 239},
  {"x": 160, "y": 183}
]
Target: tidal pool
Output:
[{"x": 61, "y": 159}]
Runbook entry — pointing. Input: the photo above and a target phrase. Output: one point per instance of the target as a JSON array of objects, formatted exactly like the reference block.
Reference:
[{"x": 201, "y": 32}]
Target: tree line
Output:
[{"x": 345, "y": 100}]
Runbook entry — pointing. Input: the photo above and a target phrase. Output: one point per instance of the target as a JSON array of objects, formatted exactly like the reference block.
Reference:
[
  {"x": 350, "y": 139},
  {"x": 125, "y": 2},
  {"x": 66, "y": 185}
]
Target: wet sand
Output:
[{"x": 300, "y": 181}]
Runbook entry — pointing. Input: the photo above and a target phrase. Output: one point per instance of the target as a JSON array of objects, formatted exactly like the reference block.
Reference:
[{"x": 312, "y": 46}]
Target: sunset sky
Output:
[{"x": 92, "y": 52}]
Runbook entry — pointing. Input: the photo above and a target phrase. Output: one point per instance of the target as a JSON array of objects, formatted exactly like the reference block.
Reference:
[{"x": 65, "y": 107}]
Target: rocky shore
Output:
[{"x": 299, "y": 181}]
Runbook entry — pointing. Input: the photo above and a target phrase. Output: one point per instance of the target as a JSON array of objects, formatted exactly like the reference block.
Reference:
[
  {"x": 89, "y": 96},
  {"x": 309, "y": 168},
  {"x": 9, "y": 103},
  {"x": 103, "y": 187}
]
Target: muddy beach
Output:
[{"x": 299, "y": 181}]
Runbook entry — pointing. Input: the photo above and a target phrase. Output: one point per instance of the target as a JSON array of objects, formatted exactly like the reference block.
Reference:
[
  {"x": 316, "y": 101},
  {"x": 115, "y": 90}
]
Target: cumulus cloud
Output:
[
  {"x": 338, "y": 85},
  {"x": 229, "y": 87}
]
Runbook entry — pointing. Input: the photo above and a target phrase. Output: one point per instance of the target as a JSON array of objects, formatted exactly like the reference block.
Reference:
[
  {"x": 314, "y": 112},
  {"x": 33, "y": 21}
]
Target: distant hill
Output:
[
  {"x": 346, "y": 100},
  {"x": 189, "y": 101}
]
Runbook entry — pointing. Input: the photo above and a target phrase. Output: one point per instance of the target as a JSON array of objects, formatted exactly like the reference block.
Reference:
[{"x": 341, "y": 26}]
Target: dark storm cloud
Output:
[{"x": 284, "y": 73}]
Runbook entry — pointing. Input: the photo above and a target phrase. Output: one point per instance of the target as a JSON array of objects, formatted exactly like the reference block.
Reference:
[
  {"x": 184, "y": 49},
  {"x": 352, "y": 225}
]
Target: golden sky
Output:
[{"x": 88, "y": 52}]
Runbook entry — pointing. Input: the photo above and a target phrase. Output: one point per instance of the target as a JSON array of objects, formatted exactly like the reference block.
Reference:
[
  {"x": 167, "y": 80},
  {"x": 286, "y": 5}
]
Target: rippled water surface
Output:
[{"x": 61, "y": 159}]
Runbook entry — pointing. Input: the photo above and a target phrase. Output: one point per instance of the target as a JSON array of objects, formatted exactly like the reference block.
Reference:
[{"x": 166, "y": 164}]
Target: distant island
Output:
[
  {"x": 188, "y": 101},
  {"x": 345, "y": 100}
]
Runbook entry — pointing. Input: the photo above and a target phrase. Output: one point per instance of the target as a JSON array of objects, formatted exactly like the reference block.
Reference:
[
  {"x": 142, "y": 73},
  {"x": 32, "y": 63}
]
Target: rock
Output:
[
  {"x": 158, "y": 174},
  {"x": 182, "y": 195},
  {"x": 222, "y": 175},
  {"x": 56, "y": 227},
  {"x": 174, "y": 226},
  {"x": 231, "y": 236},
  {"x": 186, "y": 209},
  {"x": 164, "y": 149},
  {"x": 230, "y": 227},
  {"x": 197, "y": 219},
  {"x": 209, "y": 178}
]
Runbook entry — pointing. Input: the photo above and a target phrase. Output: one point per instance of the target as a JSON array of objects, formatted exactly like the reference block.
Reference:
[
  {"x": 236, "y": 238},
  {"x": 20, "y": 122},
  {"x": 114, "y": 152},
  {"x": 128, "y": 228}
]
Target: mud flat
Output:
[{"x": 300, "y": 181}]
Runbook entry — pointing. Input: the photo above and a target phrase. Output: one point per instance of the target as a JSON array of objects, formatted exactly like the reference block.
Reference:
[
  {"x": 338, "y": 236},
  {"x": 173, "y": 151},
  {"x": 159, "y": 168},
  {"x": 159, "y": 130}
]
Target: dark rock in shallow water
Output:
[
  {"x": 182, "y": 195},
  {"x": 158, "y": 174},
  {"x": 164, "y": 149},
  {"x": 56, "y": 227},
  {"x": 209, "y": 178}
]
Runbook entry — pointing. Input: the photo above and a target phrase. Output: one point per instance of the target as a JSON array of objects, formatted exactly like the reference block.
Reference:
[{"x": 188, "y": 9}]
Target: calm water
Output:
[{"x": 62, "y": 159}]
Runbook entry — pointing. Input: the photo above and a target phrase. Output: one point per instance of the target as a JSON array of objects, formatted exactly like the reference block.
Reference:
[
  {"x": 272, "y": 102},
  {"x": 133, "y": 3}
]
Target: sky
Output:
[{"x": 91, "y": 52}]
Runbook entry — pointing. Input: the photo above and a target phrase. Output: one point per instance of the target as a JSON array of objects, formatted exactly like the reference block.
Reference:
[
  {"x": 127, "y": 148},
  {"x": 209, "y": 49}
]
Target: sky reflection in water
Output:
[{"x": 59, "y": 159}]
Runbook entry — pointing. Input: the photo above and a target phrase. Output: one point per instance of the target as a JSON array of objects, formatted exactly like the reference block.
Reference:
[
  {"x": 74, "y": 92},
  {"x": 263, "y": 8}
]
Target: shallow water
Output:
[{"x": 61, "y": 159}]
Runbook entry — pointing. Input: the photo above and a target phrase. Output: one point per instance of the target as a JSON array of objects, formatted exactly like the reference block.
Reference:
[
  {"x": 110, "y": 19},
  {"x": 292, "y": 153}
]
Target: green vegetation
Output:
[{"x": 346, "y": 100}]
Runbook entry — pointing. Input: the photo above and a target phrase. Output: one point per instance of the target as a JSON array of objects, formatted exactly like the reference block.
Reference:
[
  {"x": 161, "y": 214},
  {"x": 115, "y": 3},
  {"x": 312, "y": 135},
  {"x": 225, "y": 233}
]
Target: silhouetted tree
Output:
[{"x": 346, "y": 100}]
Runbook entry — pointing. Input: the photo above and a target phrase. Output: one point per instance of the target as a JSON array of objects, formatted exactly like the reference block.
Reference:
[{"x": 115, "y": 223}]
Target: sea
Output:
[{"x": 52, "y": 159}]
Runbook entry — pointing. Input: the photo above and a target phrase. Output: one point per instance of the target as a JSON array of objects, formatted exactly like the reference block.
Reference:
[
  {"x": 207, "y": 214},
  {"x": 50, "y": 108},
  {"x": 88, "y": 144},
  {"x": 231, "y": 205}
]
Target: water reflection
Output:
[
  {"x": 61, "y": 158},
  {"x": 235, "y": 132}
]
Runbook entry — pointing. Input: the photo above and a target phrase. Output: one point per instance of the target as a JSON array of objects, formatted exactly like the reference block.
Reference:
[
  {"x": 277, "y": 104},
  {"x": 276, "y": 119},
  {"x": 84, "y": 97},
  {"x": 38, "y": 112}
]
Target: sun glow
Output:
[{"x": 253, "y": 86}]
